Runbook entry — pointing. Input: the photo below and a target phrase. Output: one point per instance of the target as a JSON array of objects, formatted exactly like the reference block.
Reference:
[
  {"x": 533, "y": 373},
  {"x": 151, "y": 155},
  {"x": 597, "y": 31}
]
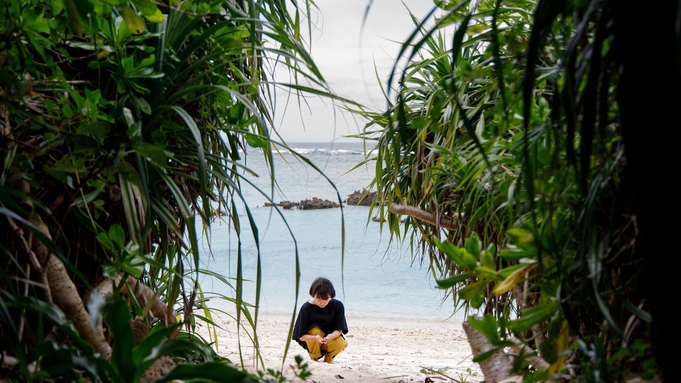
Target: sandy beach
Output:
[{"x": 393, "y": 349}]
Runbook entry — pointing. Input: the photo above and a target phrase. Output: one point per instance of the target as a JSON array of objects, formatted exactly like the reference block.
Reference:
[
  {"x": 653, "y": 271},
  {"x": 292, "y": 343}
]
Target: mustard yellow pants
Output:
[{"x": 331, "y": 349}]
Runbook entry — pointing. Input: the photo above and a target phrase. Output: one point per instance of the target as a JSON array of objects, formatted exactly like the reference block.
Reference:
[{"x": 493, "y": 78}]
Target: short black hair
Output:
[{"x": 322, "y": 288}]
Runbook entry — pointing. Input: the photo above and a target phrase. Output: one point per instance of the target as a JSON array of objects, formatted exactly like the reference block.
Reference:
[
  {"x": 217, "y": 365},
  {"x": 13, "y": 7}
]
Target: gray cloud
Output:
[{"x": 347, "y": 61}]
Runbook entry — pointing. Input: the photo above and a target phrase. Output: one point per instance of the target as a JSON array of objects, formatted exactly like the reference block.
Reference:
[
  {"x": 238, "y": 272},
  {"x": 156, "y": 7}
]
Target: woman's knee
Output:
[{"x": 337, "y": 345}]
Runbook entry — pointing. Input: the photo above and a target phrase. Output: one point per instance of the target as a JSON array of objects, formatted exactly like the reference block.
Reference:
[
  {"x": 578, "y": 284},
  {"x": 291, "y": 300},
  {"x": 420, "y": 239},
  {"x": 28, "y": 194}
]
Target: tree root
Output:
[
  {"x": 143, "y": 294},
  {"x": 65, "y": 294}
]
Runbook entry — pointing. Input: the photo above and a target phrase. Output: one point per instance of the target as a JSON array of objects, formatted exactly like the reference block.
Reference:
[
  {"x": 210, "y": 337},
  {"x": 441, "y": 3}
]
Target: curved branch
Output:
[{"x": 421, "y": 215}]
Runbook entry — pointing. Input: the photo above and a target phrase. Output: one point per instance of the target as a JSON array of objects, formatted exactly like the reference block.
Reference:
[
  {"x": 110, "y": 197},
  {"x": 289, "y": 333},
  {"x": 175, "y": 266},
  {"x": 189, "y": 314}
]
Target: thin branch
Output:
[{"x": 440, "y": 373}]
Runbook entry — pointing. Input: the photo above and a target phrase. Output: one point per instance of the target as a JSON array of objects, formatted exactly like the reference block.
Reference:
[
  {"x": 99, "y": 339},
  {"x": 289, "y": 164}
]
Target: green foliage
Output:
[
  {"x": 122, "y": 129},
  {"x": 512, "y": 131},
  {"x": 128, "y": 362},
  {"x": 300, "y": 370},
  {"x": 125, "y": 258}
]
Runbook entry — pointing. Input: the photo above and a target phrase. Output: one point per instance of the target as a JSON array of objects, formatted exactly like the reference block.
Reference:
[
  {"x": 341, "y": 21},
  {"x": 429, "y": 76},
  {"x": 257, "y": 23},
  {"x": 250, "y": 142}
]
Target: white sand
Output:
[{"x": 391, "y": 349}]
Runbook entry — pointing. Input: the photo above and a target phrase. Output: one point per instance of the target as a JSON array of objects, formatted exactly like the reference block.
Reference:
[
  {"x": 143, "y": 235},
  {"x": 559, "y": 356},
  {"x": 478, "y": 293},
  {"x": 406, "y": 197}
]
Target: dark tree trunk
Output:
[{"x": 649, "y": 98}]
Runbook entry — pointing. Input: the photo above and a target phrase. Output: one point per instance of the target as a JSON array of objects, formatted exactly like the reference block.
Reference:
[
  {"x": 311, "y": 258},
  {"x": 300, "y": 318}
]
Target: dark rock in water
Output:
[
  {"x": 361, "y": 198},
  {"x": 287, "y": 204},
  {"x": 316, "y": 203},
  {"x": 306, "y": 204},
  {"x": 358, "y": 198},
  {"x": 283, "y": 204}
]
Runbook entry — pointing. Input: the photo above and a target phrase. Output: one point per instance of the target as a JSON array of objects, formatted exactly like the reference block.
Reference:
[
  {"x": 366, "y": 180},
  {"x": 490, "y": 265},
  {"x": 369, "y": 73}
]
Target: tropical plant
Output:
[
  {"x": 510, "y": 151},
  {"x": 123, "y": 128}
]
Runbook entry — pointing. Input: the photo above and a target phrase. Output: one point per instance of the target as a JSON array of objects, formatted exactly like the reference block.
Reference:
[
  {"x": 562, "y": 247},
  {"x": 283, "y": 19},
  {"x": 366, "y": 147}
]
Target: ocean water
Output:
[{"x": 371, "y": 278}]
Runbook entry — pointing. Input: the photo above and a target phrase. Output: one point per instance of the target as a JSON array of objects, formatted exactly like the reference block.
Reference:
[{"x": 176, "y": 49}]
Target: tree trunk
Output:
[
  {"x": 65, "y": 294},
  {"x": 496, "y": 368},
  {"x": 648, "y": 147}
]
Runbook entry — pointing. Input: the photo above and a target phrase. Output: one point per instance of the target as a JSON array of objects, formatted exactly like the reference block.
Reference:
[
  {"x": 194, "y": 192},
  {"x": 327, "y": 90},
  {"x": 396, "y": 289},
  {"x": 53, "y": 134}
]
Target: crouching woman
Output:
[{"x": 321, "y": 322}]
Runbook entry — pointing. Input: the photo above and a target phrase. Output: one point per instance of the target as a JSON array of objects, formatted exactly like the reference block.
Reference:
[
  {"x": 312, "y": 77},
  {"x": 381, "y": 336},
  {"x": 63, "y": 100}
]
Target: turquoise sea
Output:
[{"x": 368, "y": 279}]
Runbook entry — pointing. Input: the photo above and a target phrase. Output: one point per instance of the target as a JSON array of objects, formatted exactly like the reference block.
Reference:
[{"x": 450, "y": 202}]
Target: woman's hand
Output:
[
  {"x": 321, "y": 340},
  {"x": 330, "y": 337}
]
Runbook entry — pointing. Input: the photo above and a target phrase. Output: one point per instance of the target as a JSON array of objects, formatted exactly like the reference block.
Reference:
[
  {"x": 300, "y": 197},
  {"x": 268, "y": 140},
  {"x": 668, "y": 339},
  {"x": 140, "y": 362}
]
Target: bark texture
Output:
[
  {"x": 443, "y": 222},
  {"x": 496, "y": 368},
  {"x": 65, "y": 294},
  {"x": 158, "y": 369}
]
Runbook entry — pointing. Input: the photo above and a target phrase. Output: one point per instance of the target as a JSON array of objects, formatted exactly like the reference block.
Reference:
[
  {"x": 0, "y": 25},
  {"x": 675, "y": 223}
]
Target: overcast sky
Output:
[{"x": 347, "y": 61}]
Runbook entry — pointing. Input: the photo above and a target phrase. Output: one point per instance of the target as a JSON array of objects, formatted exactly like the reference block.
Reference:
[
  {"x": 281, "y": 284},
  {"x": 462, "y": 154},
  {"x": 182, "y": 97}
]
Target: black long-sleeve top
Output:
[{"x": 328, "y": 319}]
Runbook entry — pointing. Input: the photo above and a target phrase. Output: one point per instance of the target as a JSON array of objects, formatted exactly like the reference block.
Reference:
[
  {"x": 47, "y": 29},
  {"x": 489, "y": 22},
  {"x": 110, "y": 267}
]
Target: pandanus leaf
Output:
[
  {"x": 509, "y": 283},
  {"x": 134, "y": 21}
]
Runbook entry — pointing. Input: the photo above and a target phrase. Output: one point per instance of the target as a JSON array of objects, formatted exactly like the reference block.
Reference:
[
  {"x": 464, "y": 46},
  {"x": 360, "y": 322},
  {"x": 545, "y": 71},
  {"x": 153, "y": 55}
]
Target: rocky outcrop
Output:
[
  {"x": 306, "y": 204},
  {"x": 361, "y": 198},
  {"x": 358, "y": 198},
  {"x": 316, "y": 203}
]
